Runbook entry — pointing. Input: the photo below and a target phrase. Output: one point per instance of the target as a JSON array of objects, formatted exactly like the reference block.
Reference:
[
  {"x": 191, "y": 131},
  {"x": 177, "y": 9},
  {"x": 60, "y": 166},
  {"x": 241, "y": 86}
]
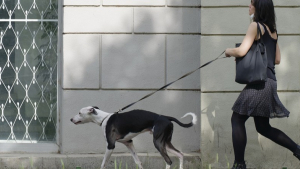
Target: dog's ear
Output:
[
  {"x": 95, "y": 107},
  {"x": 93, "y": 111}
]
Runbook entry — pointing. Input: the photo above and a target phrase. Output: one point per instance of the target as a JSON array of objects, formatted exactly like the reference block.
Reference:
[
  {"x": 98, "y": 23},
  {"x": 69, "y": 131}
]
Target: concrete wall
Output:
[
  {"x": 222, "y": 25},
  {"x": 115, "y": 52}
]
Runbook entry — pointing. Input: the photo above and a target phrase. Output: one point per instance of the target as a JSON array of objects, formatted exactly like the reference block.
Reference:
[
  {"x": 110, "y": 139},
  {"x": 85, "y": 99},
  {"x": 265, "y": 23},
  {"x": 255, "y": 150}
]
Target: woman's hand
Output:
[{"x": 227, "y": 53}]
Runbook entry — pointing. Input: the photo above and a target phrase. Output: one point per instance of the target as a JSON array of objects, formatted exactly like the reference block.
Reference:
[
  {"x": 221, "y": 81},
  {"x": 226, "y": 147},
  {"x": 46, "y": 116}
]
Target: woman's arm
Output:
[
  {"x": 278, "y": 55},
  {"x": 242, "y": 50}
]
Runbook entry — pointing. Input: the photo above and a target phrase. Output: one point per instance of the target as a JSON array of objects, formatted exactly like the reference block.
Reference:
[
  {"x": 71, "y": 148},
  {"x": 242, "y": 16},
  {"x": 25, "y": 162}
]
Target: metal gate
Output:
[{"x": 28, "y": 71}]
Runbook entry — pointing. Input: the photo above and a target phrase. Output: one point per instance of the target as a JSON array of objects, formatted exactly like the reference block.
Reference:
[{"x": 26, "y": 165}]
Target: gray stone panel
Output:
[
  {"x": 81, "y": 2},
  {"x": 184, "y": 2},
  {"x": 81, "y": 61},
  {"x": 205, "y": 3},
  {"x": 134, "y": 2},
  {"x": 167, "y": 20},
  {"x": 88, "y": 138},
  {"x": 288, "y": 72},
  {"x": 288, "y": 21},
  {"x": 183, "y": 56},
  {"x": 97, "y": 20},
  {"x": 288, "y": 3},
  {"x": 224, "y": 20},
  {"x": 219, "y": 75},
  {"x": 236, "y": 20},
  {"x": 133, "y": 61}
]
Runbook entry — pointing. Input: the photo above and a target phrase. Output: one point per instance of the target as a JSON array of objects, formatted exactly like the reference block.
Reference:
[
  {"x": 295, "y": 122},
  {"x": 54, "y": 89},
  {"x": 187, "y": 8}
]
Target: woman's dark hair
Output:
[{"x": 265, "y": 13}]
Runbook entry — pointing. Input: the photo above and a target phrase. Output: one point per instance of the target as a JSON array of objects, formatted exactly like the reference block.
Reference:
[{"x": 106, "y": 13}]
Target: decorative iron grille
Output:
[{"x": 28, "y": 71}]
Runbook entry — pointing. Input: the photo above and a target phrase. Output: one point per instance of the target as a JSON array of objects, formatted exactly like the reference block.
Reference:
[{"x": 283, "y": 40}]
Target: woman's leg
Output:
[
  {"x": 264, "y": 128},
  {"x": 239, "y": 136}
]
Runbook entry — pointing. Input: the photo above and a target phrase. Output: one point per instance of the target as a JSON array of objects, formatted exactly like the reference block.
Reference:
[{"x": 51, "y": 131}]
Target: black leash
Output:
[{"x": 172, "y": 82}]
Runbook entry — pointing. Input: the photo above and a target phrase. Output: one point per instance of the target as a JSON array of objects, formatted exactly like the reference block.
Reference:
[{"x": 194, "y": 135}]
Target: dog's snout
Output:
[{"x": 71, "y": 119}]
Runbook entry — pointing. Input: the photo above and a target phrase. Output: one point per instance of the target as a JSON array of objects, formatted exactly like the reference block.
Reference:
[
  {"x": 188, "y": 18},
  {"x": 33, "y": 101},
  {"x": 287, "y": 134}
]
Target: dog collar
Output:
[{"x": 103, "y": 119}]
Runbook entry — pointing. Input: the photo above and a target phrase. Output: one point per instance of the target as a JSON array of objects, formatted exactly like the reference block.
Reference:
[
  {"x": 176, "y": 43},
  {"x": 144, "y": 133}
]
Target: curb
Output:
[{"x": 92, "y": 161}]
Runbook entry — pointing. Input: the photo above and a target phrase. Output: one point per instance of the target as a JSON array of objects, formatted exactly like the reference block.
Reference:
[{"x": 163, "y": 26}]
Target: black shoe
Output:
[
  {"x": 297, "y": 152},
  {"x": 237, "y": 165}
]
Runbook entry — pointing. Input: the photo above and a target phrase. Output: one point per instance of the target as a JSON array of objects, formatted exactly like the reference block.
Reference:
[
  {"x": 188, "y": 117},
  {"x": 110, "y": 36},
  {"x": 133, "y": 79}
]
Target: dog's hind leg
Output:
[
  {"x": 129, "y": 145},
  {"x": 161, "y": 135},
  {"x": 160, "y": 146},
  {"x": 170, "y": 148}
]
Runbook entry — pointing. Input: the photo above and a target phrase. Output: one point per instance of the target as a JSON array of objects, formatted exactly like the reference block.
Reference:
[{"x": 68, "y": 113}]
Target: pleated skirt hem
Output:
[{"x": 260, "y": 100}]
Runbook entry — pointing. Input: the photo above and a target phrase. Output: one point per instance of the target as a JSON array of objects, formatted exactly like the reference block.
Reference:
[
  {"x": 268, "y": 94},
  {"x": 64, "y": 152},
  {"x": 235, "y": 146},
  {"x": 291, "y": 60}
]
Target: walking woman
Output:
[{"x": 259, "y": 101}]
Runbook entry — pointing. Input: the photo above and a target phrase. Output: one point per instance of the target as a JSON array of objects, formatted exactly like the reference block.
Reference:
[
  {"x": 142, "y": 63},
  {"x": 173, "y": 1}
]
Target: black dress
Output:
[{"x": 262, "y": 99}]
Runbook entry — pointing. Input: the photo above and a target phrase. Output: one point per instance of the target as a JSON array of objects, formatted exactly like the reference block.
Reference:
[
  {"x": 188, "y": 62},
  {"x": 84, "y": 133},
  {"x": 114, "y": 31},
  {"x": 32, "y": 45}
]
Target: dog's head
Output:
[{"x": 85, "y": 115}]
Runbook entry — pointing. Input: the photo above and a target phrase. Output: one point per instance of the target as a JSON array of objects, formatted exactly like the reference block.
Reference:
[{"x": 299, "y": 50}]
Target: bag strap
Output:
[{"x": 259, "y": 33}]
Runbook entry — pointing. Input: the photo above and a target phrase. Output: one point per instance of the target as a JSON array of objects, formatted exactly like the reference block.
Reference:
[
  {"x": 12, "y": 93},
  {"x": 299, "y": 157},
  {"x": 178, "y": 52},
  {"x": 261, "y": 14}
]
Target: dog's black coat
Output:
[{"x": 135, "y": 121}]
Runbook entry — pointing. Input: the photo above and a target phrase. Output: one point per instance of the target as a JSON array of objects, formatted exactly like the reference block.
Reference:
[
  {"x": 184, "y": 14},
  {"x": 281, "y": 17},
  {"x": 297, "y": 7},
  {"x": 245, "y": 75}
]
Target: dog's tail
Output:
[{"x": 194, "y": 120}]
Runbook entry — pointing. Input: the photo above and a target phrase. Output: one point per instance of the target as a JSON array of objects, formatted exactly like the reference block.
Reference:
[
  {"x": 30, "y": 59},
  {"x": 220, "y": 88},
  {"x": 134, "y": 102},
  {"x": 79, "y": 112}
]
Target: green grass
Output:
[
  {"x": 62, "y": 164},
  {"x": 120, "y": 165}
]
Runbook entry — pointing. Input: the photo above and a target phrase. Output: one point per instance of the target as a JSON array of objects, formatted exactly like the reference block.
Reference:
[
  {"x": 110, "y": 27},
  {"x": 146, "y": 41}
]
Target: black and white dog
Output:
[{"x": 122, "y": 127}]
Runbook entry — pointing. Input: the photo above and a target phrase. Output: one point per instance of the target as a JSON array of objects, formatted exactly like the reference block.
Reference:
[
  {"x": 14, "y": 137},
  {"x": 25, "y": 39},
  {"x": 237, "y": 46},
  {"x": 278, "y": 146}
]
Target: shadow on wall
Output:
[
  {"x": 290, "y": 58},
  {"x": 81, "y": 61}
]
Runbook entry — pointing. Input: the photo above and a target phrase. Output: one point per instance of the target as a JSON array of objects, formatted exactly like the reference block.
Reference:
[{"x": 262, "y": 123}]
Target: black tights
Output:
[{"x": 239, "y": 137}]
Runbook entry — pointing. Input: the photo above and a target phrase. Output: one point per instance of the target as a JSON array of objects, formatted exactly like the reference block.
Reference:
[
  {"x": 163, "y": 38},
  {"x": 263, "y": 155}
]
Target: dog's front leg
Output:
[
  {"x": 129, "y": 145},
  {"x": 111, "y": 137},
  {"x": 107, "y": 155}
]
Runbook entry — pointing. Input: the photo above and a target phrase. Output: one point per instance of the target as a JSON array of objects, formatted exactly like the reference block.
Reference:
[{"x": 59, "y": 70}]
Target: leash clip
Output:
[{"x": 117, "y": 112}]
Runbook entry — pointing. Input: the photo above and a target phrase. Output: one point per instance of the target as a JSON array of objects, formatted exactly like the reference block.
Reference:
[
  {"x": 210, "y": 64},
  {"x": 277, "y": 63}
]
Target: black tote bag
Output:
[{"x": 252, "y": 68}]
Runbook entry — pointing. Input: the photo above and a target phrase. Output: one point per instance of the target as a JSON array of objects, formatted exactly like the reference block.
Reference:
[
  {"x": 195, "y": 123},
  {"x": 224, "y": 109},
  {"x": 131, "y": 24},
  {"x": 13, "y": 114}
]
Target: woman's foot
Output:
[
  {"x": 239, "y": 165},
  {"x": 297, "y": 152}
]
